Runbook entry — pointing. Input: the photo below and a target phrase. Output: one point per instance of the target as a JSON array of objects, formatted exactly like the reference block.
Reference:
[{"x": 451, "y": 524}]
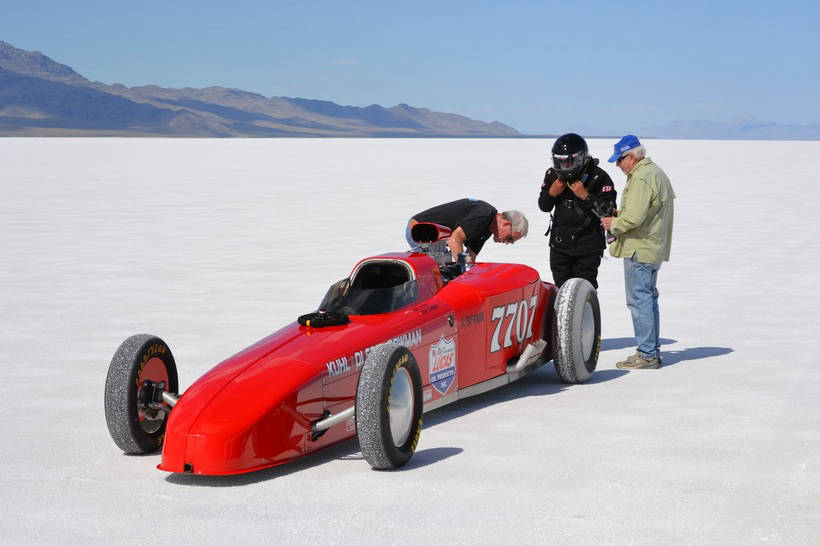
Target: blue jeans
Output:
[{"x": 641, "y": 281}]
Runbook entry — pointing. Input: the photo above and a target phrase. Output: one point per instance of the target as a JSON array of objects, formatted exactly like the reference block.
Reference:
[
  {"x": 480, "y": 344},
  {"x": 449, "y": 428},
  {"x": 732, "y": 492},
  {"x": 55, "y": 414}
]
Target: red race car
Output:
[{"x": 406, "y": 333}]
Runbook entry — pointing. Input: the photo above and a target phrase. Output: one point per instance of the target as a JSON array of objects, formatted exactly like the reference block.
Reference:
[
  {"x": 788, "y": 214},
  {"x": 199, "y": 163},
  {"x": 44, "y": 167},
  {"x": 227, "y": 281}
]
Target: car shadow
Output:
[
  {"x": 347, "y": 450},
  {"x": 421, "y": 458},
  {"x": 542, "y": 382},
  {"x": 425, "y": 457}
]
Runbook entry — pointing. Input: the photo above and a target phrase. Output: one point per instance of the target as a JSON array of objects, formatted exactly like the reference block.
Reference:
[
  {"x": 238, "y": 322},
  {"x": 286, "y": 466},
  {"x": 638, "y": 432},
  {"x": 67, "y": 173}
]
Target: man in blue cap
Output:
[{"x": 643, "y": 231}]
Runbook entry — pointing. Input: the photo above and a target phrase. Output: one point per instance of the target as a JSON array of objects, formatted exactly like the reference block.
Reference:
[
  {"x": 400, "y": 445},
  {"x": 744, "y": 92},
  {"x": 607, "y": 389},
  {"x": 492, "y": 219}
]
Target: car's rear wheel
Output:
[
  {"x": 576, "y": 331},
  {"x": 389, "y": 406},
  {"x": 142, "y": 368}
]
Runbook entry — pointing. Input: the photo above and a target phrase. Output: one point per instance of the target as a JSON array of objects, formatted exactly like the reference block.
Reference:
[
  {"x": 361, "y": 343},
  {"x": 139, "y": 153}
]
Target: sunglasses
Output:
[{"x": 622, "y": 158}]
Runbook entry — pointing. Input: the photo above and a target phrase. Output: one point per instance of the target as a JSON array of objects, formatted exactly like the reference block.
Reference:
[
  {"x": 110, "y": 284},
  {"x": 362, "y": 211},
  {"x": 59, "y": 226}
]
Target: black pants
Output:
[{"x": 565, "y": 266}]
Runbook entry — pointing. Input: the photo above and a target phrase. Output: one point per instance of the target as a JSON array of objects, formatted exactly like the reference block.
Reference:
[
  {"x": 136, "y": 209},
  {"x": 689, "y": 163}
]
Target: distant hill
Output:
[
  {"x": 746, "y": 129},
  {"x": 41, "y": 97},
  {"x": 741, "y": 129}
]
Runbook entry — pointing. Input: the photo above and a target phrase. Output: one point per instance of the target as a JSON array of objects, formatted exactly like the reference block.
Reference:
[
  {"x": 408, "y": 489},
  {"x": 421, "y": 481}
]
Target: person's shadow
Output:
[{"x": 669, "y": 357}]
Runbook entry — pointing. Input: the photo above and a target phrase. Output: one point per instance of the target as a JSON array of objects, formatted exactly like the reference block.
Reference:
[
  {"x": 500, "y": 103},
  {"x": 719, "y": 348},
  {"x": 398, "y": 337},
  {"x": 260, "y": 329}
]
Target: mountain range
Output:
[{"x": 41, "y": 97}]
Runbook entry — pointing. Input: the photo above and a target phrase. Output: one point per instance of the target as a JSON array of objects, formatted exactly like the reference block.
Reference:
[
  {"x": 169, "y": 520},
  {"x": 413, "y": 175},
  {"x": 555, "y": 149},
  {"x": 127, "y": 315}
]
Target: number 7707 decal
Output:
[{"x": 520, "y": 315}]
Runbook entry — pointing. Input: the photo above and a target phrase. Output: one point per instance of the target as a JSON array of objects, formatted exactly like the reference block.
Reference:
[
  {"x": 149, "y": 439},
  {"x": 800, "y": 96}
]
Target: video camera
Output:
[{"x": 603, "y": 209}]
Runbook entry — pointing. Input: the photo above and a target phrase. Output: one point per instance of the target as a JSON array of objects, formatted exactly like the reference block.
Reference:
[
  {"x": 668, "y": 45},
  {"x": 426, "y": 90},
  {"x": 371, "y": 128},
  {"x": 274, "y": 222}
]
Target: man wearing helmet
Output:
[{"x": 577, "y": 189}]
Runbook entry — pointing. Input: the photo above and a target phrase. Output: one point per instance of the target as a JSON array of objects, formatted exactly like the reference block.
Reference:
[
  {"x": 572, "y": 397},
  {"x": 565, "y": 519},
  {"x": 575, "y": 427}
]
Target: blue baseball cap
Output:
[{"x": 629, "y": 142}]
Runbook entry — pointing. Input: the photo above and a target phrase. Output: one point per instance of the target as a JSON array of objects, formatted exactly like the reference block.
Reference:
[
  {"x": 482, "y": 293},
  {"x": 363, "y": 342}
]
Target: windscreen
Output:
[
  {"x": 377, "y": 288},
  {"x": 368, "y": 301}
]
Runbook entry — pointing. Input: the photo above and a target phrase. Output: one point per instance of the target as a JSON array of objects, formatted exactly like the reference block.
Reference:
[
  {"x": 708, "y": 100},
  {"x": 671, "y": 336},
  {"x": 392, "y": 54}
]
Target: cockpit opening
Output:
[{"x": 378, "y": 286}]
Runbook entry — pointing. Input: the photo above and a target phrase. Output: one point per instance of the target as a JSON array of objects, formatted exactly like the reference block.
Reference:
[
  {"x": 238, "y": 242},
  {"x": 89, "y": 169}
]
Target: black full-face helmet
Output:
[{"x": 569, "y": 155}]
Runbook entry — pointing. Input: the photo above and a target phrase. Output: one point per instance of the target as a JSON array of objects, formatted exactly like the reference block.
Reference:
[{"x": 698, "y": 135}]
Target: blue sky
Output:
[{"x": 541, "y": 67}]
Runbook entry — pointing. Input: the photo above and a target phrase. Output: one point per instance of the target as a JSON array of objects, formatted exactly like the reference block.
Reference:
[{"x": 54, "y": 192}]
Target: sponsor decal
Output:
[
  {"x": 156, "y": 349},
  {"x": 424, "y": 308},
  {"x": 344, "y": 364},
  {"x": 443, "y": 364},
  {"x": 471, "y": 320},
  {"x": 337, "y": 367},
  {"x": 410, "y": 339},
  {"x": 428, "y": 395}
]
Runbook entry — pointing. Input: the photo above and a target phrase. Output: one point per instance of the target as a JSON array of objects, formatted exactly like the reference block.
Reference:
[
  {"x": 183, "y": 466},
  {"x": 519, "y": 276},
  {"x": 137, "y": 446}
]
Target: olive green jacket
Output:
[{"x": 645, "y": 217}]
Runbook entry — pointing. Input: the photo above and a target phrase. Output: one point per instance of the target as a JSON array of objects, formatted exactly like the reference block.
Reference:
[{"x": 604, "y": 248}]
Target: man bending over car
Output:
[{"x": 472, "y": 222}]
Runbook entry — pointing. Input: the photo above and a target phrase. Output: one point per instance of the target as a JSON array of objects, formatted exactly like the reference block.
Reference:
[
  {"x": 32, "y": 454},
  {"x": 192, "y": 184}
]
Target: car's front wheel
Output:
[
  {"x": 141, "y": 370},
  {"x": 389, "y": 406}
]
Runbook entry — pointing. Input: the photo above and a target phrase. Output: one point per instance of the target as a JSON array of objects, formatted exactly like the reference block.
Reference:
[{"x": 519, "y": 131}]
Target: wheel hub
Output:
[
  {"x": 150, "y": 409},
  {"x": 400, "y": 406},
  {"x": 587, "y": 331}
]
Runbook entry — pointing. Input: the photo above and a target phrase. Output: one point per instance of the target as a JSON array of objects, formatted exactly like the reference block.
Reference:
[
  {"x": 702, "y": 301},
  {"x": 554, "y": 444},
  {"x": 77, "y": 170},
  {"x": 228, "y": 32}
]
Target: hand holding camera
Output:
[{"x": 605, "y": 210}]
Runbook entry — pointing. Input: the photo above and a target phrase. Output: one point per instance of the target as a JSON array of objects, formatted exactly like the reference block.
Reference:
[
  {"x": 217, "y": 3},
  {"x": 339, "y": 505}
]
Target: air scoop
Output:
[{"x": 427, "y": 233}]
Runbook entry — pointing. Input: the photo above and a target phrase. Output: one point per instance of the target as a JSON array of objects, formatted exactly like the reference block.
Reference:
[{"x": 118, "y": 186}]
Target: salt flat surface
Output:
[{"x": 213, "y": 244}]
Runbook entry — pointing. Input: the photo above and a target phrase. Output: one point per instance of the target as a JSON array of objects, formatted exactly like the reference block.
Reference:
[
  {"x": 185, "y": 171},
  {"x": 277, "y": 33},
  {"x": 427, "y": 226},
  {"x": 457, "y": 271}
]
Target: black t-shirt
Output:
[{"x": 471, "y": 215}]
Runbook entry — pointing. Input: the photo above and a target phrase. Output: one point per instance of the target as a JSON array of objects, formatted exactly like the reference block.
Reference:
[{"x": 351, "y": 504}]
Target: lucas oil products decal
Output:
[{"x": 443, "y": 364}]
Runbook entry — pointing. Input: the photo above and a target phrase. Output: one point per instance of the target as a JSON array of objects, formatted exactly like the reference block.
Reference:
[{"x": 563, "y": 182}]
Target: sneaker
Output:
[
  {"x": 634, "y": 356},
  {"x": 639, "y": 362}
]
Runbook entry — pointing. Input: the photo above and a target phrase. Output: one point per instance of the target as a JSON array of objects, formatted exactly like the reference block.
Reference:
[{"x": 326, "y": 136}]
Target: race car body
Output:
[{"x": 405, "y": 333}]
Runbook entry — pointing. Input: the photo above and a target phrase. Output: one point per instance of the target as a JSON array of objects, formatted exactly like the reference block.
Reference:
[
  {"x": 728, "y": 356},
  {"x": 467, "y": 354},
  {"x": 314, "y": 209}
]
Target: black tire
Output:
[
  {"x": 390, "y": 378},
  {"x": 135, "y": 428},
  {"x": 576, "y": 331}
]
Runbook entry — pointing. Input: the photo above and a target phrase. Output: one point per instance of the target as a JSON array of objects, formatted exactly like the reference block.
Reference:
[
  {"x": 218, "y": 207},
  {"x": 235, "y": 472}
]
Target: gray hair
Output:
[
  {"x": 518, "y": 220},
  {"x": 639, "y": 152}
]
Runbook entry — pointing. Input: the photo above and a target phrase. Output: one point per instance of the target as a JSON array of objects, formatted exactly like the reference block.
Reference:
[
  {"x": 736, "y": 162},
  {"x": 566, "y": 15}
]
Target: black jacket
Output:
[{"x": 576, "y": 229}]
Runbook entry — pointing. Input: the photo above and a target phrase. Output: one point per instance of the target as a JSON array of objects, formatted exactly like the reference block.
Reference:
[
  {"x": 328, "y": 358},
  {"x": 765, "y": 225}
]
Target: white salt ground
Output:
[{"x": 212, "y": 244}]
